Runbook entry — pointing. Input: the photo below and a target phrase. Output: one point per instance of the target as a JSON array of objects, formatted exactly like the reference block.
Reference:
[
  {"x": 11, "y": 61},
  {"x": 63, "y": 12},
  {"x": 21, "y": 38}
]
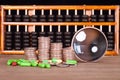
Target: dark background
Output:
[{"x": 59, "y": 2}]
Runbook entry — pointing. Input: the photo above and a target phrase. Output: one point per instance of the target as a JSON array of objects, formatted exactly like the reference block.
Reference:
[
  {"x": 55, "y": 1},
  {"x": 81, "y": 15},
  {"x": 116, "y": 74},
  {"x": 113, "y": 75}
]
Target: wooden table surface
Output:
[{"x": 108, "y": 68}]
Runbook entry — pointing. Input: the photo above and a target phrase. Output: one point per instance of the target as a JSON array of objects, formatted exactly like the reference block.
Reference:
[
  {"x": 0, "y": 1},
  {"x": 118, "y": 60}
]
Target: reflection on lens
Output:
[{"x": 81, "y": 36}]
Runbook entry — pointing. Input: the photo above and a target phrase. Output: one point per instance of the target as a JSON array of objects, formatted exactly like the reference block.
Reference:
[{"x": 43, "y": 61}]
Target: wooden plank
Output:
[
  {"x": 111, "y": 53},
  {"x": 2, "y": 31},
  {"x": 58, "y": 7},
  {"x": 59, "y": 23},
  {"x": 117, "y": 30},
  {"x": 107, "y": 53},
  {"x": 0, "y": 27},
  {"x": 12, "y": 52}
]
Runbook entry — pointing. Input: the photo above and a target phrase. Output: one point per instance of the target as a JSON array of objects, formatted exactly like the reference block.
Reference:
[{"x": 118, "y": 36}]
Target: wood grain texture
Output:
[
  {"x": 58, "y": 7},
  {"x": 108, "y": 68}
]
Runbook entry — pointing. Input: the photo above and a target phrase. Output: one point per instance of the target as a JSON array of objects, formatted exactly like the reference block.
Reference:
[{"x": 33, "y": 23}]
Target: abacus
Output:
[{"x": 21, "y": 25}]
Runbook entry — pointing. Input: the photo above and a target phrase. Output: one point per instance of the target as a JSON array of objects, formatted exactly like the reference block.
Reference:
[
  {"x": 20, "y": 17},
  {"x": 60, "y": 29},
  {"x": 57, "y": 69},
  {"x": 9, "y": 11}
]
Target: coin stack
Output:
[
  {"x": 30, "y": 53},
  {"x": 56, "y": 50},
  {"x": 43, "y": 48},
  {"x": 68, "y": 54}
]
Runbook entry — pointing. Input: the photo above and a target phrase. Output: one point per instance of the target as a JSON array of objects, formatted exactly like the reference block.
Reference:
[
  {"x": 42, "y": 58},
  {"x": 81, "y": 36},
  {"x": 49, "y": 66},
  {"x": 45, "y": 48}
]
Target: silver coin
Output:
[
  {"x": 30, "y": 53},
  {"x": 68, "y": 54},
  {"x": 62, "y": 65},
  {"x": 56, "y": 46}
]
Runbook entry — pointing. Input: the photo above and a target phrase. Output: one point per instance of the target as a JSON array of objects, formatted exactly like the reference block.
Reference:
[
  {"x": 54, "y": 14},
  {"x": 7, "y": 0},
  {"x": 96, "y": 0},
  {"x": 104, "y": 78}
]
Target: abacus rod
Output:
[
  {"x": 34, "y": 28},
  {"x": 9, "y": 12},
  {"x": 42, "y": 12},
  {"x": 50, "y": 11},
  {"x": 25, "y": 11},
  {"x": 9, "y": 28},
  {"x": 76, "y": 12},
  {"x": 25, "y": 28},
  {"x": 17, "y": 28},
  {"x": 67, "y": 28},
  {"x": 109, "y": 28},
  {"x": 101, "y": 27},
  {"x": 42, "y": 28},
  {"x": 75, "y": 28},
  {"x": 34, "y": 12},
  {"x": 59, "y": 28},
  {"x": 92, "y": 11},
  {"x": 17, "y": 12},
  {"x": 67, "y": 12},
  {"x": 50, "y": 28},
  {"x": 84, "y": 12},
  {"x": 59, "y": 12},
  {"x": 109, "y": 12},
  {"x": 83, "y": 26},
  {"x": 101, "y": 11}
]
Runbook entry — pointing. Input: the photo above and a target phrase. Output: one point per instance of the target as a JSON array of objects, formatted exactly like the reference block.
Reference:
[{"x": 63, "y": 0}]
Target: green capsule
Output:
[
  {"x": 41, "y": 65},
  {"x": 19, "y": 62},
  {"x": 34, "y": 64},
  {"x": 45, "y": 61},
  {"x": 26, "y": 61},
  {"x": 32, "y": 60},
  {"x": 23, "y": 64},
  {"x": 9, "y": 62},
  {"x": 47, "y": 66},
  {"x": 22, "y": 60},
  {"x": 54, "y": 60},
  {"x": 72, "y": 62}
]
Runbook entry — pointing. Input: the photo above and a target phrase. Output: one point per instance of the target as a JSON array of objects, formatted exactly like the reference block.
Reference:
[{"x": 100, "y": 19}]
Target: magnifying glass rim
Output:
[{"x": 94, "y": 29}]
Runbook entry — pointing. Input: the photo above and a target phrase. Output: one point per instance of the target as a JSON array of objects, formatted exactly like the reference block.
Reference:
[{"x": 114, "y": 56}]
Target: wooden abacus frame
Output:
[{"x": 61, "y": 7}]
